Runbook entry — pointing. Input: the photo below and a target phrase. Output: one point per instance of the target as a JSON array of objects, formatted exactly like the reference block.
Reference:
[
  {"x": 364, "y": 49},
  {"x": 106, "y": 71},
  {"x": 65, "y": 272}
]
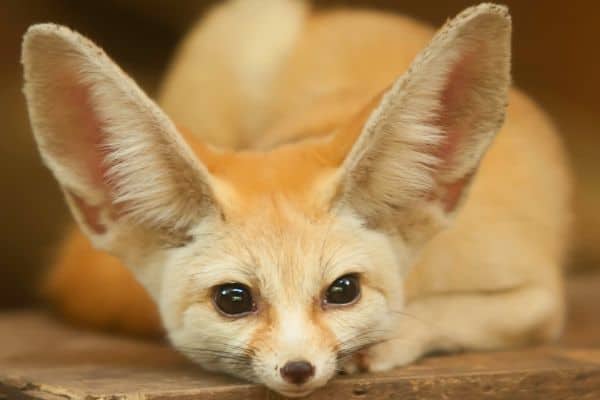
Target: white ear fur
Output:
[
  {"x": 422, "y": 144},
  {"x": 119, "y": 159}
]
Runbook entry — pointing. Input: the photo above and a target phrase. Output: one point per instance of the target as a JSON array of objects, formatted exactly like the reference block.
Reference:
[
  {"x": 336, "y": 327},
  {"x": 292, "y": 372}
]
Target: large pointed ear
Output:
[
  {"x": 421, "y": 144},
  {"x": 119, "y": 160}
]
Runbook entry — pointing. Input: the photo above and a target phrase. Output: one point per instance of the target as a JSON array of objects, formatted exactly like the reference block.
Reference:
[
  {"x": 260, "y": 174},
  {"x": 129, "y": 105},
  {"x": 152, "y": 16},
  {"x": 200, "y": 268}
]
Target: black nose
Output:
[{"x": 297, "y": 372}]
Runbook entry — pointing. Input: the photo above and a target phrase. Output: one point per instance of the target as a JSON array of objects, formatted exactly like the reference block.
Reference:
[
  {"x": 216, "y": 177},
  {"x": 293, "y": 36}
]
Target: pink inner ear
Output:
[
  {"x": 84, "y": 142},
  {"x": 453, "y": 192},
  {"x": 90, "y": 214},
  {"x": 453, "y": 99},
  {"x": 456, "y": 124},
  {"x": 88, "y": 141}
]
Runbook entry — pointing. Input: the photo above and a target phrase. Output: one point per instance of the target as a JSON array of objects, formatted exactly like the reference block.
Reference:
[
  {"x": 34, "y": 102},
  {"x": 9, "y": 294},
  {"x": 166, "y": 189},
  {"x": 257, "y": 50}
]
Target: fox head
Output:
[{"x": 271, "y": 265}]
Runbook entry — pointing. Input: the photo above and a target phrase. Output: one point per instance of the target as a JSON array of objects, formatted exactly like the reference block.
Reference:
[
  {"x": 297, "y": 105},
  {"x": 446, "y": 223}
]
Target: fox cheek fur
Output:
[{"x": 364, "y": 201}]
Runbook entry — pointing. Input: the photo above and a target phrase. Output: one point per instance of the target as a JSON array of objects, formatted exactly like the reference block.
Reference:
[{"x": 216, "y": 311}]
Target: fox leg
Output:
[
  {"x": 467, "y": 321},
  {"x": 93, "y": 289}
]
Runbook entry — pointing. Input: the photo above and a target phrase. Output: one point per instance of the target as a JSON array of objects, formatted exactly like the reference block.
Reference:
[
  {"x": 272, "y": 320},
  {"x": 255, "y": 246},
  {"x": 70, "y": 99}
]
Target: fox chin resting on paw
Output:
[{"x": 318, "y": 191}]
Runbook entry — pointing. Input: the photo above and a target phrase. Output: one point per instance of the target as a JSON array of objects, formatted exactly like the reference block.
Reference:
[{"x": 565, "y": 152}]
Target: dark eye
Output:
[
  {"x": 344, "y": 290},
  {"x": 234, "y": 299}
]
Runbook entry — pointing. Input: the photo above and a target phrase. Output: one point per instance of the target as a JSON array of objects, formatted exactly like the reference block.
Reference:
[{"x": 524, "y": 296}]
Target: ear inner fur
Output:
[
  {"x": 107, "y": 143},
  {"x": 422, "y": 143}
]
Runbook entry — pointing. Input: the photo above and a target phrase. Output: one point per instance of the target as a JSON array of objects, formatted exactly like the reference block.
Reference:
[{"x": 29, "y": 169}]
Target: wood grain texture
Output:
[{"x": 42, "y": 359}]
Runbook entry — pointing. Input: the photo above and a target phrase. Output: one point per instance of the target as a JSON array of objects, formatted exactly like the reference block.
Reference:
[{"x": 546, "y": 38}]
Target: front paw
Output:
[
  {"x": 382, "y": 357},
  {"x": 354, "y": 363},
  {"x": 390, "y": 354}
]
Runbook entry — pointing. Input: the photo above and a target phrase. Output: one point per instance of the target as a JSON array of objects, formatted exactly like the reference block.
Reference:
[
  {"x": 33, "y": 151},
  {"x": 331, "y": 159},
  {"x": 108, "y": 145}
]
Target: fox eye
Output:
[
  {"x": 234, "y": 299},
  {"x": 344, "y": 290}
]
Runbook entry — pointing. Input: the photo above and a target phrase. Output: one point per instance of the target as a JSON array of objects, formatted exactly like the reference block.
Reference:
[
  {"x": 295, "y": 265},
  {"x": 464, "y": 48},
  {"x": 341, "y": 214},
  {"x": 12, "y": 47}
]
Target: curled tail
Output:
[{"x": 219, "y": 83}]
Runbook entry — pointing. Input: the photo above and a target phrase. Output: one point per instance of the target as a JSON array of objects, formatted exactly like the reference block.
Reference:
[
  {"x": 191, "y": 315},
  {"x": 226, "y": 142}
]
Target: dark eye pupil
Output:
[
  {"x": 343, "y": 290},
  {"x": 234, "y": 299}
]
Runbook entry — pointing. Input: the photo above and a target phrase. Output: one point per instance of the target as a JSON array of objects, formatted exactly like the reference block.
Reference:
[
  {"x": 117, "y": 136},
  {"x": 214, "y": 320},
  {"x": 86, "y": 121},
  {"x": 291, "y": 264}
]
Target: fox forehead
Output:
[
  {"x": 303, "y": 172},
  {"x": 279, "y": 250},
  {"x": 247, "y": 180}
]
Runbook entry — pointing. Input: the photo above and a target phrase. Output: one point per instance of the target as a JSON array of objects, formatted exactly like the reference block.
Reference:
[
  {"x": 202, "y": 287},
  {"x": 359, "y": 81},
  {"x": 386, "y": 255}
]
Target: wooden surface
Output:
[{"x": 42, "y": 359}]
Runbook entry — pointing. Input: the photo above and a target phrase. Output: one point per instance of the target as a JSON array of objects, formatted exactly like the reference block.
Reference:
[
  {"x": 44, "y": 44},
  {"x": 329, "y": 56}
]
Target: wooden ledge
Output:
[{"x": 41, "y": 358}]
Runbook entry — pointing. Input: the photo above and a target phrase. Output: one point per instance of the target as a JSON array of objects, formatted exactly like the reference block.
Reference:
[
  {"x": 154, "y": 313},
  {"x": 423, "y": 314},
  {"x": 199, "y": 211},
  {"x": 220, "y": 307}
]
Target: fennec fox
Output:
[{"x": 318, "y": 191}]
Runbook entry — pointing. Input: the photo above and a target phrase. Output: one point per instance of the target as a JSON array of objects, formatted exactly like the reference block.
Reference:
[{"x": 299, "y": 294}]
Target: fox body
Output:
[{"x": 318, "y": 191}]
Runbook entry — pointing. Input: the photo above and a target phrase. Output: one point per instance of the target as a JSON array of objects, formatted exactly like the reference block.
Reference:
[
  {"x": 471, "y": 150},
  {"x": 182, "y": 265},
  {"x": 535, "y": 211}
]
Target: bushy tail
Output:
[{"x": 226, "y": 67}]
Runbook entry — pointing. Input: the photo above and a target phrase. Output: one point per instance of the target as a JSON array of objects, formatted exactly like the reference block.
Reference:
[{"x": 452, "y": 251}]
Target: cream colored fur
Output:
[
  {"x": 451, "y": 208},
  {"x": 240, "y": 50}
]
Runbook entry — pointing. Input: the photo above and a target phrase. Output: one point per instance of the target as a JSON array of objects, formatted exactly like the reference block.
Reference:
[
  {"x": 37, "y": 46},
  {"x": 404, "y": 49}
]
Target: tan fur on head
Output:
[{"x": 363, "y": 185}]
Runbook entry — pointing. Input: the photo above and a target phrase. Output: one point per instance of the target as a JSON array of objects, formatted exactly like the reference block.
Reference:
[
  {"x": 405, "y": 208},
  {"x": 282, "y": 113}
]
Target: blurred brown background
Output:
[{"x": 556, "y": 59}]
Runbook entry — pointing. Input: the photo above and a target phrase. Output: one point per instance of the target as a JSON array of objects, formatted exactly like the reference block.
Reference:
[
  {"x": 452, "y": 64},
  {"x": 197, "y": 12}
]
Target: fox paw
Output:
[{"x": 382, "y": 357}]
